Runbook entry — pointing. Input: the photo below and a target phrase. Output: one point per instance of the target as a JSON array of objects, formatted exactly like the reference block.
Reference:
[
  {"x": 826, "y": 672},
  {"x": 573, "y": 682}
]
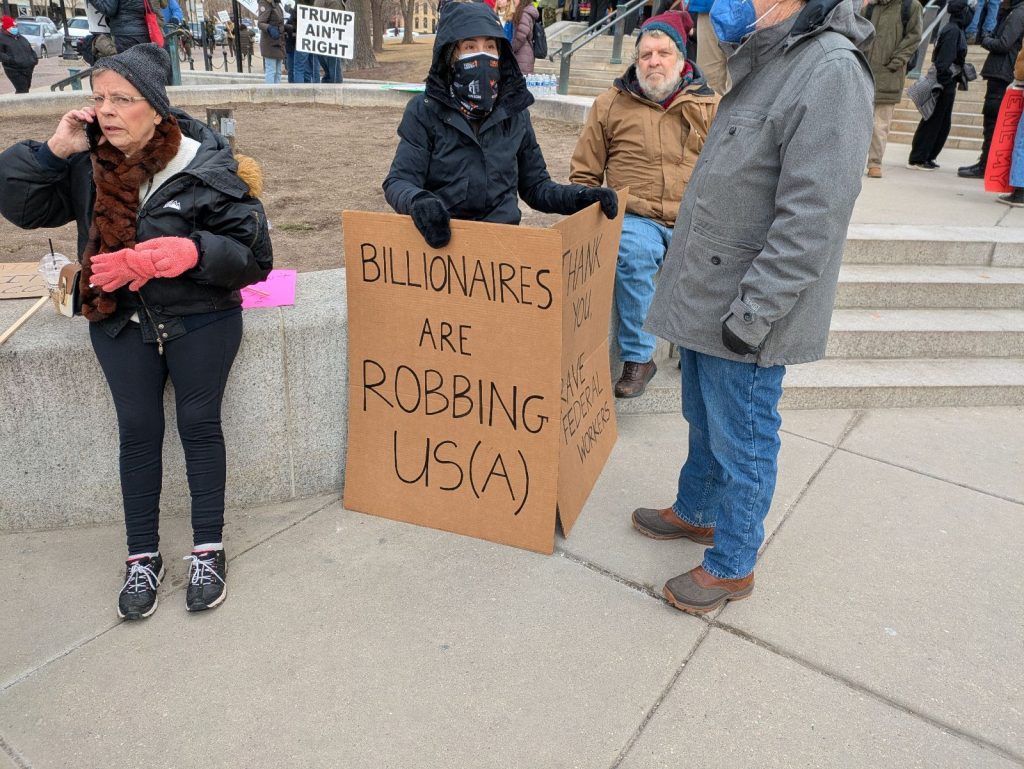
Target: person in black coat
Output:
[
  {"x": 170, "y": 228},
  {"x": 948, "y": 57},
  {"x": 16, "y": 56},
  {"x": 467, "y": 146},
  {"x": 127, "y": 21},
  {"x": 1003, "y": 46}
]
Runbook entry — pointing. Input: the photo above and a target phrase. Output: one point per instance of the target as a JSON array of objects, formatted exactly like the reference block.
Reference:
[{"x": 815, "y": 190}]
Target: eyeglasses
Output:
[{"x": 117, "y": 100}]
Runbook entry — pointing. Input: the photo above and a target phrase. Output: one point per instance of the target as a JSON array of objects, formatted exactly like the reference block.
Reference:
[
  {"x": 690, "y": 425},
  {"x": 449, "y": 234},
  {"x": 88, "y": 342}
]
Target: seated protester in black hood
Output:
[{"x": 467, "y": 145}]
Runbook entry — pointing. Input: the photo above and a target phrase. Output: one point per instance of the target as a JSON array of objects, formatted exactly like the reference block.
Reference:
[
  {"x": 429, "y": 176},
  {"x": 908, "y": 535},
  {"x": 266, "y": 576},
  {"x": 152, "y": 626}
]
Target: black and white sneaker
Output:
[
  {"x": 206, "y": 574},
  {"x": 138, "y": 598}
]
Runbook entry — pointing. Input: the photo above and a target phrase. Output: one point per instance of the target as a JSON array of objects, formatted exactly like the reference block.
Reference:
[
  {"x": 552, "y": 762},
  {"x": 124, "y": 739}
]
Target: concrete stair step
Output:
[
  {"x": 910, "y": 114},
  {"x": 960, "y": 132},
  {"x": 946, "y": 245},
  {"x": 952, "y": 143},
  {"x": 852, "y": 384},
  {"x": 928, "y": 287},
  {"x": 575, "y": 90},
  {"x": 926, "y": 333}
]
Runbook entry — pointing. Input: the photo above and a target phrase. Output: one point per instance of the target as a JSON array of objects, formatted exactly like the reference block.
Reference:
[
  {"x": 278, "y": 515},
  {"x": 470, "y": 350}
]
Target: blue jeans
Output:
[
  {"x": 641, "y": 252},
  {"x": 307, "y": 67},
  {"x": 728, "y": 479},
  {"x": 291, "y": 67},
  {"x": 272, "y": 70},
  {"x": 990, "y": 17},
  {"x": 332, "y": 67}
]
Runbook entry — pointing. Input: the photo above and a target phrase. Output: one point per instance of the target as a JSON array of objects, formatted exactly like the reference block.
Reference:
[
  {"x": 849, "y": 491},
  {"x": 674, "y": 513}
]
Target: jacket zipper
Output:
[{"x": 152, "y": 322}]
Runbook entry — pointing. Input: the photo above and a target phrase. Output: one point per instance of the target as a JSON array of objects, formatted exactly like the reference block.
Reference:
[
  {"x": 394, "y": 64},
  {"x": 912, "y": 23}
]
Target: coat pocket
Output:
[{"x": 454, "y": 194}]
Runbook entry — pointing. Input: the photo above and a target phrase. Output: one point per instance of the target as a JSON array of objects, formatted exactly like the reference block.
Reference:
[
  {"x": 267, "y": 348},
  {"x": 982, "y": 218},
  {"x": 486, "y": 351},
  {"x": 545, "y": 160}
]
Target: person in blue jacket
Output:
[
  {"x": 172, "y": 15},
  {"x": 467, "y": 148}
]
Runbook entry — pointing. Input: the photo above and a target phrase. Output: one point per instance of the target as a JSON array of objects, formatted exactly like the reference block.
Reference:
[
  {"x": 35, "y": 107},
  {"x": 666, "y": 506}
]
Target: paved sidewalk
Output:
[
  {"x": 931, "y": 198},
  {"x": 885, "y": 630}
]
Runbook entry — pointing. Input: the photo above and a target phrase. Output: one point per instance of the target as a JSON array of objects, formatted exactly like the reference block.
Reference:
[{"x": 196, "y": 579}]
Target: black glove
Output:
[
  {"x": 608, "y": 199},
  {"x": 431, "y": 219},
  {"x": 734, "y": 344}
]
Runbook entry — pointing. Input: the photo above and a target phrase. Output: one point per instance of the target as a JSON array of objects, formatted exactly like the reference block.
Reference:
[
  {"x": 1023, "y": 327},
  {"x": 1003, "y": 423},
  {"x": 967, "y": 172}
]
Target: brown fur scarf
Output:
[{"x": 118, "y": 179}]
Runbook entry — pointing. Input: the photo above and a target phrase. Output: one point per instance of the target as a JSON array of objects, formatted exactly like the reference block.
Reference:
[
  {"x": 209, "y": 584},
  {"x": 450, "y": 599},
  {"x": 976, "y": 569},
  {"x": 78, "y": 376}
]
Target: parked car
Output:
[
  {"x": 78, "y": 27},
  {"x": 44, "y": 37}
]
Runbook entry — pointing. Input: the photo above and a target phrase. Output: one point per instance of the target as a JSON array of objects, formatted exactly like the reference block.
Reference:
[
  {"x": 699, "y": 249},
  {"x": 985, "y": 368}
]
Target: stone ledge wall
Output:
[{"x": 284, "y": 414}]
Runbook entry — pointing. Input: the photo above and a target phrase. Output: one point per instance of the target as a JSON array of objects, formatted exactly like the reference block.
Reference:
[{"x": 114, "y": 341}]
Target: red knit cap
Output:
[
  {"x": 7, "y": 23},
  {"x": 676, "y": 24}
]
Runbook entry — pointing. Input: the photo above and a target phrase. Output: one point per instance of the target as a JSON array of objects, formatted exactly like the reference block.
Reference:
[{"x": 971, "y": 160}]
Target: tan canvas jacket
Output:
[{"x": 633, "y": 142}]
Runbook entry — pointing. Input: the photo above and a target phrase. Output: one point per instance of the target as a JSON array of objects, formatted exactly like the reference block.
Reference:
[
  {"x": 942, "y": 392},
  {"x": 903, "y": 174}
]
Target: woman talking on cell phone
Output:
[{"x": 170, "y": 228}]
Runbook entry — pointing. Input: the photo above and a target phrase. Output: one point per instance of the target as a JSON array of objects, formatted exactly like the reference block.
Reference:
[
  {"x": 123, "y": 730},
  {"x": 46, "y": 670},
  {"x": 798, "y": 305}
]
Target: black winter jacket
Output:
[
  {"x": 207, "y": 202},
  {"x": 16, "y": 52},
  {"x": 950, "y": 51},
  {"x": 127, "y": 21},
  {"x": 476, "y": 171},
  {"x": 1004, "y": 43}
]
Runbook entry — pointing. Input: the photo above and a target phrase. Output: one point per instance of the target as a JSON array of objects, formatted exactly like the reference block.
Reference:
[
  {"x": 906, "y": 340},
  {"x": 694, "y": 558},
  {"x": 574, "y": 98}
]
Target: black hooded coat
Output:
[{"x": 475, "y": 170}]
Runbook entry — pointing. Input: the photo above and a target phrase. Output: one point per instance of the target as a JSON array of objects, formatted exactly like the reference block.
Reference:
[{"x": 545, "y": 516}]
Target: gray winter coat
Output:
[{"x": 760, "y": 233}]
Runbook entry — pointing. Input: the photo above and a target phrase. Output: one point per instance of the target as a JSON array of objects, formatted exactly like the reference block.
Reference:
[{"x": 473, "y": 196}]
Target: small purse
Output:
[
  {"x": 66, "y": 296},
  {"x": 153, "y": 25}
]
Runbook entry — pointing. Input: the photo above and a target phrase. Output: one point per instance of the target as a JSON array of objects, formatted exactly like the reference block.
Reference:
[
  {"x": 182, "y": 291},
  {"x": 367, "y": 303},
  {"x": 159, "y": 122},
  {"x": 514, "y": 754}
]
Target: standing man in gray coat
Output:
[{"x": 750, "y": 276}]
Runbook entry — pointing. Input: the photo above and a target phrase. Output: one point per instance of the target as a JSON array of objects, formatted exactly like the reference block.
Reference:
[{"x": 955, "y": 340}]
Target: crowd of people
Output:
[{"x": 741, "y": 188}]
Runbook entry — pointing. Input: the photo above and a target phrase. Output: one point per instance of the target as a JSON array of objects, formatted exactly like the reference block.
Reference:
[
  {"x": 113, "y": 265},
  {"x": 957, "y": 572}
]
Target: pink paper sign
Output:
[{"x": 277, "y": 290}]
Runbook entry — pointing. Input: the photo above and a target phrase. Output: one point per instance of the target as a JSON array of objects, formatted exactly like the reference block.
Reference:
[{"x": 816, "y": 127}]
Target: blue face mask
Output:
[
  {"x": 13, "y": 30},
  {"x": 732, "y": 20}
]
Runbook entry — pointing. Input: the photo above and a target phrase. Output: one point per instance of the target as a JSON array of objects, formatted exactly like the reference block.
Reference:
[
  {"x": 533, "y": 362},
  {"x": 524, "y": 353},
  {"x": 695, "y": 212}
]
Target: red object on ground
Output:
[{"x": 1000, "y": 154}]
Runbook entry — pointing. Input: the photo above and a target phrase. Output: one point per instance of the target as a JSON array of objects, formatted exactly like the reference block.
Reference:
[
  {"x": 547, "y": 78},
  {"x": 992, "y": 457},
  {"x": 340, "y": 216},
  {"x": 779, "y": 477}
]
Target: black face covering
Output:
[{"x": 475, "y": 83}]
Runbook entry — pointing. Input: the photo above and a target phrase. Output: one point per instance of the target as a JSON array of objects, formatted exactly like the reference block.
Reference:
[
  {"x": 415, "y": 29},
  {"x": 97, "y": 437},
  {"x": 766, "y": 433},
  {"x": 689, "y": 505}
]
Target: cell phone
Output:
[{"x": 93, "y": 132}]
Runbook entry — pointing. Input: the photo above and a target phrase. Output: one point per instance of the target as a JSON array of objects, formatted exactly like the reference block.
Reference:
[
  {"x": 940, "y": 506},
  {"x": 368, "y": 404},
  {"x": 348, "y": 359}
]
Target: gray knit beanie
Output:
[{"x": 147, "y": 67}]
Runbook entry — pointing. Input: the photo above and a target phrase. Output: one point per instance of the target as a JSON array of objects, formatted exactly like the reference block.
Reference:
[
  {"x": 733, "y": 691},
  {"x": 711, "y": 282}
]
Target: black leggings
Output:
[{"x": 198, "y": 364}]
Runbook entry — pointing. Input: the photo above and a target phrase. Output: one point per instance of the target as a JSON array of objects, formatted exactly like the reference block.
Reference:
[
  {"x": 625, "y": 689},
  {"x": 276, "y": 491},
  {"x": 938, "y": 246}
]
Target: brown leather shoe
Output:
[
  {"x": 665, "y": 524},
  {"x": 634, "y": 379},
  {"x": 698, "y": 592}
]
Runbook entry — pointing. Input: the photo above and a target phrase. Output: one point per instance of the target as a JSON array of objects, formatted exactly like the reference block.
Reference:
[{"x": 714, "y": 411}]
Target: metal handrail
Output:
[
  {"x": 569, "y": 47},
  {"x": 591, "y": 32},
  {"x": 75, "y": 81},
  {"x": 933, "y": 17}
]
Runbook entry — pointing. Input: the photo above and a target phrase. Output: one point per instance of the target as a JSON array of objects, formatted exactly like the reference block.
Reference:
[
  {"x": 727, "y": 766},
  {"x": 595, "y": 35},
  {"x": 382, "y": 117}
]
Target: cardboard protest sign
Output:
[
  {"x": 587, "y": 429},
  {"x": 325, "y": 32},
  {"x": 223, "y": 16},
  {"x": 457, "y": 408},
  {"x": 21, "y": 280},
  {"x": 97, "y": 21},
  {"x": 1000, "y": 155}
]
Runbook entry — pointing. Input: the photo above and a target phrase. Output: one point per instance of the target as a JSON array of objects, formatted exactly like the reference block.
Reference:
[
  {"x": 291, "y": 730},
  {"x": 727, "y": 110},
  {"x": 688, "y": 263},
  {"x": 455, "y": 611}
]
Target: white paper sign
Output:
[
  {"x": 326, "y": 32},
  {"x": 251, "y": 6},
  {"x": 97, "y": 21},
  {"x": 223, "y": 16}
]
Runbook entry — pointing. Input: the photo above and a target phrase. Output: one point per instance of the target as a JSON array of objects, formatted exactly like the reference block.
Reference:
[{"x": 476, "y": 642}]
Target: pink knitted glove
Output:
[
  {"x": 169, "y": 256},
  {"x": 113, "y": 270}
]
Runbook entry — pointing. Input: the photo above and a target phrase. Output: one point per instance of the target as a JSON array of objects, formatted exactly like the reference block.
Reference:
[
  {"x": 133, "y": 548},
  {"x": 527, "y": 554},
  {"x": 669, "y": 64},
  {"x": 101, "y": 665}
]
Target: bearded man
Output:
[{"x": 646, "y": 133}]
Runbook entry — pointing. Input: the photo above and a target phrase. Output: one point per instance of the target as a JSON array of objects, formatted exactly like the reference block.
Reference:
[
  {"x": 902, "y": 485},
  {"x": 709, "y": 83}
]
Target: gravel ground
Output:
[{"x": 317, "y": 161}]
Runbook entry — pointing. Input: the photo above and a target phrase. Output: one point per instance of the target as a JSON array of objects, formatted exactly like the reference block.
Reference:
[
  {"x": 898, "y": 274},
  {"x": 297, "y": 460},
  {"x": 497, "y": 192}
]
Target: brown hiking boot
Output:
[
  {"x": 634, "y": 379},
  {"x": 665, "y": 524},
  {"x": 698, "y": 592}
]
